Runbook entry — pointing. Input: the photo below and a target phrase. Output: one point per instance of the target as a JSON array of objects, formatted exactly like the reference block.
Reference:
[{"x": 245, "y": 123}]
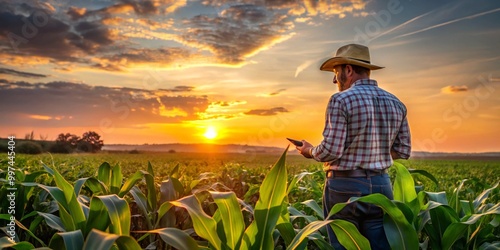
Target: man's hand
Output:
[{"x": 305, "y": 149}]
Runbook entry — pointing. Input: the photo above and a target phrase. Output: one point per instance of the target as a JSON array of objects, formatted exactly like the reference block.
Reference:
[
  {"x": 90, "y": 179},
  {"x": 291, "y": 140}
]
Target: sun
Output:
[{"x": 210, "y": 133}]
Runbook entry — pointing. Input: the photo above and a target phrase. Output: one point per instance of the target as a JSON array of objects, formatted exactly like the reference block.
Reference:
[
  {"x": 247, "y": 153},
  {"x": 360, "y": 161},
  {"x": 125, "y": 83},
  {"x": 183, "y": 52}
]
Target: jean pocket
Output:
[{"x": 336, "y": 197}]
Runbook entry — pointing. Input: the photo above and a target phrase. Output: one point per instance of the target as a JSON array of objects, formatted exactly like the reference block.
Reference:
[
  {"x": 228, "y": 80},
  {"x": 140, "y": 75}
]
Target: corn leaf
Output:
[
  {"x": 104, "y": 241},
  {"x": 454, "y": 199},
  {"x": 118, "y": 212},
  {"x": 315, "y": 207},
  {"x": 268, "y": 208},
  {"x": 5, "y": 242},
  {"x": 404, "y": 187},
  {"x": 298, "y": 214},
  {"x": 67, "y": 219},
  {"x": 20, "y": 225},
  {"x": 457, "y": 230},
  {"x": 104, "y": 174},
  {"x": 142, "y": 203},
  {"x": 175, "y": 172},
  {"x": 130, "y": 183},
  {"x": 439, "y": 197},
  {"x": 483, "y": 196},
  {"x": 305, "y": 232},
  {"x": 73, "y": 206},
  {"x": 232, "y": 218},
  {"x": 426, "y": 174},
  {"x": 296, "y": 179},
  {"x": 177, "y": 238},
  {"x": 96, "y": 186},
  {"x": 53, "y": 221},
  {"x": 349, "y": 236},
  {"x": 320, "y": 241},
  {"x": 442, "y": 216},
  {"x": 67, "y": 240},
  {"x": 57, "y": 194},
  {"x": 204, "y": 225},
  {"x": 98, "y": 217},
  {"x": 166, "y": 217},
  {"x": 150, "y": 182},
  {"x": 115, "y": 179},
  {"x": 400, "y": 233},
  {"x": 284, "y": 225}
]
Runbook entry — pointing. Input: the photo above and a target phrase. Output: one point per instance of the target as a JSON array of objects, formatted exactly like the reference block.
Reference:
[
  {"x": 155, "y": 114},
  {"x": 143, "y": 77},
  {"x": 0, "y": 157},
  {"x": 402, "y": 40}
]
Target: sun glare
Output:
[{"x": 210, "y": 133}]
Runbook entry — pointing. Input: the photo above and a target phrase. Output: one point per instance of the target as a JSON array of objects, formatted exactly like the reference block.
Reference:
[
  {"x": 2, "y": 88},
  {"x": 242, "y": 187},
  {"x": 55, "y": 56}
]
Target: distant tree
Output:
[
  {"x": 90, "y": 142},
  {"x": 65, "y": 143},
  {"x": 29, "y": 147},
  {"x": 44, "y": 142},
  {"x": 69, "y": 139},
  {"x": 30, "y": 136}
]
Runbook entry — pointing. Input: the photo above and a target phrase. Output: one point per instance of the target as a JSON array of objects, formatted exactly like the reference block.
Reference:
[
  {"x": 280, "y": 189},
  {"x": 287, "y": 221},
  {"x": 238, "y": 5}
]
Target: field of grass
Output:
[{"x": 140, "y": 182}]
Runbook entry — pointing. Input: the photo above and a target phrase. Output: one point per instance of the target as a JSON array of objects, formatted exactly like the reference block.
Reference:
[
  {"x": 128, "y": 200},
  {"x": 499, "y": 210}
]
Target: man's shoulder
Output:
[{"x": 354, "y": 91}]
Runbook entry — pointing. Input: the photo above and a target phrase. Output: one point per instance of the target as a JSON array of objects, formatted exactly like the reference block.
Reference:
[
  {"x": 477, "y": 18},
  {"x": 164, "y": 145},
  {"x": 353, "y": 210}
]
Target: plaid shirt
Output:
[{"x": 363, "y": 124}]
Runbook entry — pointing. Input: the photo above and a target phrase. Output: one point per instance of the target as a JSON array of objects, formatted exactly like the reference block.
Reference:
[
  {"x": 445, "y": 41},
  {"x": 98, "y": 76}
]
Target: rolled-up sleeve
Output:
[
  {"x": 402, "y": 142},
  {"x": 334, "y": 133}
]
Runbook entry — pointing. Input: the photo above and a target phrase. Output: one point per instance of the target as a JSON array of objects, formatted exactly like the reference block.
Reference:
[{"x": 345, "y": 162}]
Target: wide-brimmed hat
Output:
[{"x": 354, "y": 54}]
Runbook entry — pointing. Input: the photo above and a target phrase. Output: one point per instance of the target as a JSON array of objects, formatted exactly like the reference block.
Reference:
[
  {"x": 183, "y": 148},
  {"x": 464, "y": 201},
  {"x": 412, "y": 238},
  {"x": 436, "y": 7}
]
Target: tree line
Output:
[{"x": 89, "y": 142}]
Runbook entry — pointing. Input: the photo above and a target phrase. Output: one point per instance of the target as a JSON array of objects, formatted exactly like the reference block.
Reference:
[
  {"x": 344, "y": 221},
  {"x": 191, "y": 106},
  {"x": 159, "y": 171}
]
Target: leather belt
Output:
[{"x": 354, "y": 173}]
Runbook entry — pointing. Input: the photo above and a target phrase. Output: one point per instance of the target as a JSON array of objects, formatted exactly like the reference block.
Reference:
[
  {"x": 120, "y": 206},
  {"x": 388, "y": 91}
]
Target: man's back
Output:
[{"x": 369, "y": 124}]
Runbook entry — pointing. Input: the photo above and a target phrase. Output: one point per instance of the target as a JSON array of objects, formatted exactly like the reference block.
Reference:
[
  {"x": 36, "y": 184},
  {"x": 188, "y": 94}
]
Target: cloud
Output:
[
  {"x": 303, "y": 66},
  {"x": 277, "y": 92},
  {"x": 76, "y": 13},
  {"x": 237, "y": 33},
  {"x": 454, "y": 89},
  {"x": 326, "y": 8},
  {"x": 64, "y": 104},
  {"x": 179, "y": 89},
  {"x": 152, "y": 57},
  {"x": 267, "y": 112},
  {"x": 41, "y": 34},
  {"x": 107, "y": 35},
  {"x": 219, "y": 104},
  {"x": 20, "y": 73}
]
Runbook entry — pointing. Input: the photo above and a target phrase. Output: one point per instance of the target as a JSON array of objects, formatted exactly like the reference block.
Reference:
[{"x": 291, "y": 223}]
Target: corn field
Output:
[{"x": 231, "y": 209}]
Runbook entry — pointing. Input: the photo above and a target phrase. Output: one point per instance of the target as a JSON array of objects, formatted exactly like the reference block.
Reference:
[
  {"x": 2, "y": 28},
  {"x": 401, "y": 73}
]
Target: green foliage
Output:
[
  {"x": 29, "y": 147},
  {"x": 82, "y": 204}
]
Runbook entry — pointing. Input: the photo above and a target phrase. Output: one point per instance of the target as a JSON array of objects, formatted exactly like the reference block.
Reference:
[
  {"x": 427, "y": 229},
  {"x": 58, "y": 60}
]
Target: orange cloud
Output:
[
  {"x": 267, "y": 112},
  {"x": 61, "y": 104},
  {"x": 454, "y": 89},
  {"x": 40, "y": 117}
]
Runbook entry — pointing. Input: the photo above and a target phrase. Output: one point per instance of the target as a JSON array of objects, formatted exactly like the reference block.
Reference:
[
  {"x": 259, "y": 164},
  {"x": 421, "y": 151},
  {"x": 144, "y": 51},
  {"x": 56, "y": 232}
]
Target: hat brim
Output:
[{"x": 329, "y": 64}]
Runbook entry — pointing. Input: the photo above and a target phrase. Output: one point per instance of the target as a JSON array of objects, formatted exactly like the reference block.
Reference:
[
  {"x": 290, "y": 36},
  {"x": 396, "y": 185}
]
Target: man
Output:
[{"x": 365, "y": 129}]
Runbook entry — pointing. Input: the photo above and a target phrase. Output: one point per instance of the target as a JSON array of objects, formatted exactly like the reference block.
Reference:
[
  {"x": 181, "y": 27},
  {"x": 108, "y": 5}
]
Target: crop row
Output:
[{"x": 233, "y": 209}]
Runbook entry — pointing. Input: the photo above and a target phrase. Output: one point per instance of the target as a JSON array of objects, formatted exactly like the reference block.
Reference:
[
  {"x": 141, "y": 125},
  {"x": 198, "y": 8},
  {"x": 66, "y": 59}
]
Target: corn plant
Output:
[
  {"x": 226, "y": 229},
  {"x": 95, "y": 212},
  {"x": 80, "y": 225},
  {"x": 425, "y": 220},
  {"x": 27, "y": 200}
]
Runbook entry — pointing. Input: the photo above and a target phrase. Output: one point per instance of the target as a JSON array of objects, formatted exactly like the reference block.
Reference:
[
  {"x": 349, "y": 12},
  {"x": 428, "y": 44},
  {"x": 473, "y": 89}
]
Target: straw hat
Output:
[{"x": 354, "y": 54}]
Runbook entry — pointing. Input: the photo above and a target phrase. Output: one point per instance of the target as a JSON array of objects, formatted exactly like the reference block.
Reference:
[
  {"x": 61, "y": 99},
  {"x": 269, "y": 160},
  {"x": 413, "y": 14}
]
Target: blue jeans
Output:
[{"x": 366, "y": 217}]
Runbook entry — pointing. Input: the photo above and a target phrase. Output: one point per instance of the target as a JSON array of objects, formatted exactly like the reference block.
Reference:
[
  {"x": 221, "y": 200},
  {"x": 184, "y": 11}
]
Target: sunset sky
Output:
[{"x": 243, "y": 72}]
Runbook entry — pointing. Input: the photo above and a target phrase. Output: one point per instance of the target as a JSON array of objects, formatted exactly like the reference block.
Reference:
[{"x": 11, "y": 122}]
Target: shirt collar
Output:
[{"x": 365, "y": 82}]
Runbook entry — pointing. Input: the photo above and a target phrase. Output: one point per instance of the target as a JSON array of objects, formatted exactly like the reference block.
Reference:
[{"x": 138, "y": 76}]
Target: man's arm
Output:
[
  {"x": 401, "y": 148},
  {"x": 334, "y": 135}
]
